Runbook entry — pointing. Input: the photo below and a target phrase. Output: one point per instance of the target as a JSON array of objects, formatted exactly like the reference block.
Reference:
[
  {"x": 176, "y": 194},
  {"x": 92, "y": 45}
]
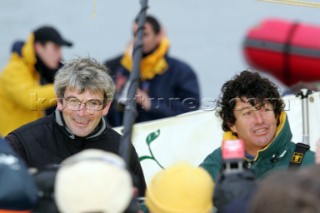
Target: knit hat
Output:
[
  {"x": 181, "y": 188},
  {"x": 48, "y": 33},
  {"x": 93, "y": 181}
]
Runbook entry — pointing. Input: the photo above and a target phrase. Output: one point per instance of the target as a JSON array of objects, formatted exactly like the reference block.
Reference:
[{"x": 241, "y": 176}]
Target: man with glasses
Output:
[
  {"x": 84, "y": 92},
  {"x": 251, "y": 109}
]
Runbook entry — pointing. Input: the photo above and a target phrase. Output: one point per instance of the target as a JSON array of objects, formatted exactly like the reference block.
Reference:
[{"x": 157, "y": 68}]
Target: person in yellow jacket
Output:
[{"x": 26, "y": 88}]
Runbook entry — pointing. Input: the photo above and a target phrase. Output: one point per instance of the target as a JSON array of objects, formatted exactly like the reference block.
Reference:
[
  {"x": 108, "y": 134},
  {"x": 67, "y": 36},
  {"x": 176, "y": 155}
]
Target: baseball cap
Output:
[
  {"x": 93, "y": 181},
  {"x": 48, "y": 33}
]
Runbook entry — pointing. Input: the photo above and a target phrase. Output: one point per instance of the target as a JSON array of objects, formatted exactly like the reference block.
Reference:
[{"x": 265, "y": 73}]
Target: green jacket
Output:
[{"x": 276, "y": 155}]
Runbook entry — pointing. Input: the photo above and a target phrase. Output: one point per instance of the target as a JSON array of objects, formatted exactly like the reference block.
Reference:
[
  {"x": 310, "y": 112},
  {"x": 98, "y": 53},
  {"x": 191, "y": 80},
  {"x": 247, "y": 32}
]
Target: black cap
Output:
[{"x": 47, "y": 33}]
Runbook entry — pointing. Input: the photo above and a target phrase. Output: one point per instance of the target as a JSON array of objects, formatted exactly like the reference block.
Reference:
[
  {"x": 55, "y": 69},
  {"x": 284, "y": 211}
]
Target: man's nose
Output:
[
  {"x": 84, "y": 111},
  {"x": 258, "y": 116}
]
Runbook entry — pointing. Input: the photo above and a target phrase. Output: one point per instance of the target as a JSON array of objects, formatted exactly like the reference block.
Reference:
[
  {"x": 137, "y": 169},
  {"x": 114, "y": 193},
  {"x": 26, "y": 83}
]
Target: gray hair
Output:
[{"x": 84, "y": 74}]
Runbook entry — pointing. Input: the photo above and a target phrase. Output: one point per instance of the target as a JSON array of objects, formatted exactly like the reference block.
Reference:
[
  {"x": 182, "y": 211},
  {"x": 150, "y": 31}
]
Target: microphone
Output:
[
  {"x": 234, "y": 182},
  {"x": 233, "y": 154}
]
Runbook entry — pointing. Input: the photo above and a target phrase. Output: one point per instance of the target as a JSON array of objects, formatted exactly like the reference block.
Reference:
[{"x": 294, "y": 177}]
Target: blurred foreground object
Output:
[
  {"x": 292, "y": 191},
  {"x": 18, "y": 192},
  {"x": 234, "y": 184},
  {"x": 93, "y": 181},
  {"x": 180, "y": 188},
  {"x": 288, "y": 50}
]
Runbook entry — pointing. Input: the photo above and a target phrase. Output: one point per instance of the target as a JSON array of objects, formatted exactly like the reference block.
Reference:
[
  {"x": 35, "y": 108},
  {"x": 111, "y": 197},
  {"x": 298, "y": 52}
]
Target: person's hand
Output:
[
  {"x": 120, "y": 83},
  {"x": 143, "y": 99}
]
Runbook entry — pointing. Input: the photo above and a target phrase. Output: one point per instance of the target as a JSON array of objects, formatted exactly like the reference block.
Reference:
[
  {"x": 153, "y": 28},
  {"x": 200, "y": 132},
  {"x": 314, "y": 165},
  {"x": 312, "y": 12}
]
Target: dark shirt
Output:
[
  {"x": 172, "y": 92},
  {"x": 47, "y": 141}
]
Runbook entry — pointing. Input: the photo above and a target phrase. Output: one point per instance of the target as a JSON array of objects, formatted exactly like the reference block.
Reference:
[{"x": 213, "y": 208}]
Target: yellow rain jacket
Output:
[{"x": 22, "y": 98}]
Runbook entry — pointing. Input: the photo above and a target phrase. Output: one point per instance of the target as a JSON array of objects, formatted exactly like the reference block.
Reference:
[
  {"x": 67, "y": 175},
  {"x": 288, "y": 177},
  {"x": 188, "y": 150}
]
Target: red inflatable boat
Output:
[{"x": 290, "y": 51}]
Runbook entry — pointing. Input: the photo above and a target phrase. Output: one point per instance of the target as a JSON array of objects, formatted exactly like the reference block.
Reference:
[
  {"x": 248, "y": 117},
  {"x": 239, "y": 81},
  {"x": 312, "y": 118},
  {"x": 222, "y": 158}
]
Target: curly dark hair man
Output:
[
  {"x": 248, "y": 85},
  {"x": 252, "y": 110}
]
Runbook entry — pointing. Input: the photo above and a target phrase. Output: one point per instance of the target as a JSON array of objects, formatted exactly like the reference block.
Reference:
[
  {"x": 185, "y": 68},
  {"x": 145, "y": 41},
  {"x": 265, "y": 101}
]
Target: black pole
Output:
[{"x": 130, "y": 111}]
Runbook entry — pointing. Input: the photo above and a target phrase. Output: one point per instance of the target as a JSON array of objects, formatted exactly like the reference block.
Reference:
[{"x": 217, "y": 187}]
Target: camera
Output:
[{"x": 234, "y": 183}]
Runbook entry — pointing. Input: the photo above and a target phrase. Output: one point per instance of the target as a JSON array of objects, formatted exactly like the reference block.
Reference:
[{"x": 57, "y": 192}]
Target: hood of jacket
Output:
[{"x": 28, "y": 51}]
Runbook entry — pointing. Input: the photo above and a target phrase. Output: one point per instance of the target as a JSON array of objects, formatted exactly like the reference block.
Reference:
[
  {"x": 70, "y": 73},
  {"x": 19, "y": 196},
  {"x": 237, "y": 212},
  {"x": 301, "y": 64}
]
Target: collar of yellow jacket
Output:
[
  {"x": 283, "y": 116},
  {"x": 28, "y": 51},
  {"x": 153, "y": 64}
]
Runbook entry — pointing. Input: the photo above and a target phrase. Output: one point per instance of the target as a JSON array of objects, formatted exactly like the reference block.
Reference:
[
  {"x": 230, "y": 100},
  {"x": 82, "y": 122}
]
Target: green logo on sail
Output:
[{"x": 150, "y": 138}]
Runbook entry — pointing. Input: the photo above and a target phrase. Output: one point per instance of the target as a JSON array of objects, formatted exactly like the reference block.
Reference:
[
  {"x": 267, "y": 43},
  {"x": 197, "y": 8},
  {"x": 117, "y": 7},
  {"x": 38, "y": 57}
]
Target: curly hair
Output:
[{"x": 248, "y": 85}]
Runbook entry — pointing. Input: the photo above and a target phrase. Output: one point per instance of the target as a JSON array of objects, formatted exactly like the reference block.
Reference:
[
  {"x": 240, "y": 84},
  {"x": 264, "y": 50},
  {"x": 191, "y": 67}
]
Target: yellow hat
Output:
[{"x": 181, "y": 188}]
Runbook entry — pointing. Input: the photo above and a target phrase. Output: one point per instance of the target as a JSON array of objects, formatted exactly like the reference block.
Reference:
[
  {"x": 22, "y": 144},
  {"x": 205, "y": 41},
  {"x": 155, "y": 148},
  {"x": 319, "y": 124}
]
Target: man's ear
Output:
[
  {"x": 159, "y": 37},
  {"x": 37, "y": 47},
  {"x": 59, "y": 104},
  {"x": 233, "y": 128},
  {"x": 105, "y": 110}
]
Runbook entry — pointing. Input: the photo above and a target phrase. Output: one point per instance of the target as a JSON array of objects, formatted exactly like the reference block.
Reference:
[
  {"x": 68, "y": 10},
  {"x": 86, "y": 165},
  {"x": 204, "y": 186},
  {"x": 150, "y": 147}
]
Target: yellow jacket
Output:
[{"x": 22, "y": 98}]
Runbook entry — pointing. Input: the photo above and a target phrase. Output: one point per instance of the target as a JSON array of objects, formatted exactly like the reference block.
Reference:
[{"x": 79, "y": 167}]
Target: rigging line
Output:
[{"x": 294, "y": 2}]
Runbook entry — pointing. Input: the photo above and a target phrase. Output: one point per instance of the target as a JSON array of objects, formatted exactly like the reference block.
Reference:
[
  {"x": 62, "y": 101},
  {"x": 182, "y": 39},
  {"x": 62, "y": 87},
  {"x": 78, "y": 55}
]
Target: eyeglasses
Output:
[
  {"x": 265, "y": 110},
  {"x": 75, "y": 104}
]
